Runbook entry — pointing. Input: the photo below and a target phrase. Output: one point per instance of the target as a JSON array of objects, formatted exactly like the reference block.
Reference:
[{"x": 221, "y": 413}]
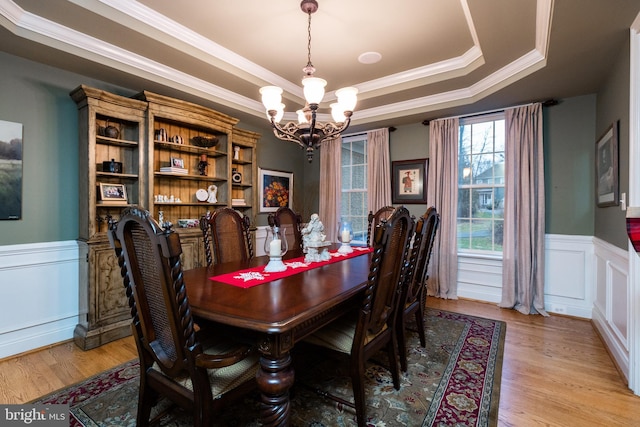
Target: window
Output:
[
  {"x": 481, "y": 183},
  {"x": 353, "y": 204}
]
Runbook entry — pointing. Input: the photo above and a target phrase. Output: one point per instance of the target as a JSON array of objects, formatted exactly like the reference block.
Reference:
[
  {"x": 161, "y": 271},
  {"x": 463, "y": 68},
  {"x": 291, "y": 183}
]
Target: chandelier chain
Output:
[{"x": 309, "y": 64}]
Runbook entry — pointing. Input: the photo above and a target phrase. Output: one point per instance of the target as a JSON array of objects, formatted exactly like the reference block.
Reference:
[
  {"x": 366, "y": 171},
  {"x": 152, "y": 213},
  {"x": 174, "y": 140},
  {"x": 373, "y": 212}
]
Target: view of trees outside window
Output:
[
  {"x": 481, "y": 183},
  {"x": 353, "y": 205}
]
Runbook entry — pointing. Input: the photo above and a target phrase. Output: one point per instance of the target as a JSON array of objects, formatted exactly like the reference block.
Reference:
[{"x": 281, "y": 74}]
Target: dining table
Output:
[{"x": 277, "y": 313}]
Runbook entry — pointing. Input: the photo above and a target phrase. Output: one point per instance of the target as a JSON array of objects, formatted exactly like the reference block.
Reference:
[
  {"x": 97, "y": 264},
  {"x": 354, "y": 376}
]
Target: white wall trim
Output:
[
  {"x": 611, "y": 308},
  {"x": 39, "y": 288}
]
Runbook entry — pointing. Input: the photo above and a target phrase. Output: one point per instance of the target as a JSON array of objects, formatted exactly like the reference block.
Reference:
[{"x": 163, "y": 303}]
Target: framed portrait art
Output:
[
  {"x": 275, "y": 189},
  {"x": 409, "y": 181},
  {"x": 607, "y": 168}
]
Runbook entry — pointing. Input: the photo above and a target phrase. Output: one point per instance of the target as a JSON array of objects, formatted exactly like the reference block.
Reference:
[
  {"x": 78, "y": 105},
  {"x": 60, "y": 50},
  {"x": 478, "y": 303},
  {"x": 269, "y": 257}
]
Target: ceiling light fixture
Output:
[{"x": 309, "y": 133}]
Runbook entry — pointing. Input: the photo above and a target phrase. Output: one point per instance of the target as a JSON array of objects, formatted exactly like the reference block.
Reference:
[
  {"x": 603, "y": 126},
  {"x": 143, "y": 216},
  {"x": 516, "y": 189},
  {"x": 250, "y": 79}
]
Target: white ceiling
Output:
[{"x": 439, "y": 57}]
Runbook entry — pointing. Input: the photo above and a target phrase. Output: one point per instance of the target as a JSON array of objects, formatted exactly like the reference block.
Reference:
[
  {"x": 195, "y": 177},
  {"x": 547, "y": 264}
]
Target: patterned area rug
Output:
[{"x": 455, "y": 381}]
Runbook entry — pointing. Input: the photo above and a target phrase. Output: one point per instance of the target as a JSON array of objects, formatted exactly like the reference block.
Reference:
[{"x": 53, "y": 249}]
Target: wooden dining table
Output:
[{"x": 277, "y": 314}]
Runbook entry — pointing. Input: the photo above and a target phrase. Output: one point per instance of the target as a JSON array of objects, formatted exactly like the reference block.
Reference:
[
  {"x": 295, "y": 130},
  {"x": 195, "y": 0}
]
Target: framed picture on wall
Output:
[
  {"x": 275, "y": 189},
  {"x": 607, "y": 168},
  {"x": 409, "y": 181}
]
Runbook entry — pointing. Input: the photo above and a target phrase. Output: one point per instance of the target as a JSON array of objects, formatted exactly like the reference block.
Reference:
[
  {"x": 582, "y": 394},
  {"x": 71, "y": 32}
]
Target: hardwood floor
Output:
[{"x": 556, "y": 371}]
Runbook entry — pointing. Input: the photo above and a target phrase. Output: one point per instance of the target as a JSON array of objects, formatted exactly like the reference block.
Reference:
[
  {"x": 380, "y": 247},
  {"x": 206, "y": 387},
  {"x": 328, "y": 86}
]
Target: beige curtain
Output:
[
  {"x": 379, "y": 170},
  {"x": 523, "y": 246},
  {"x": 442, "y": 192},
  {"x": 330, "y": 186}
]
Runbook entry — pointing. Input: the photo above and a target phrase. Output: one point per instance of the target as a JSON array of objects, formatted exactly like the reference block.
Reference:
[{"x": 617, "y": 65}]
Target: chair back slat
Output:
[
  {"x": 230, "y": 235},
  {"x": 391, "y": 241},
  {"x": 418, "y": 264}
]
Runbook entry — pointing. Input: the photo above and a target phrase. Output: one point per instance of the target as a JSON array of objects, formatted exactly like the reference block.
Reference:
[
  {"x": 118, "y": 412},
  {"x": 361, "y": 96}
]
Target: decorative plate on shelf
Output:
[{"x": 202, "y": 195}]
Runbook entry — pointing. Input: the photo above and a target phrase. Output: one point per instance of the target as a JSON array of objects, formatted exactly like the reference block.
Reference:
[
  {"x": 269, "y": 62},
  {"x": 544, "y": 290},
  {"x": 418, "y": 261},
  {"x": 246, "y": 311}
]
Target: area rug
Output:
[{"x": 455, "y": 381}]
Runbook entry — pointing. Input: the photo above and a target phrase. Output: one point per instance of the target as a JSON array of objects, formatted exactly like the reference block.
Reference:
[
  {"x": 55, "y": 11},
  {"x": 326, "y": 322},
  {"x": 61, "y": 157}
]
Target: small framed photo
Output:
[
  {"x": 275, "y": 189},
  {"x": 177, "y": 162},
  {"x": 409, "y": 181},
  {"x": 112, "y": 194},
  {"x": 607, "y": 168}
]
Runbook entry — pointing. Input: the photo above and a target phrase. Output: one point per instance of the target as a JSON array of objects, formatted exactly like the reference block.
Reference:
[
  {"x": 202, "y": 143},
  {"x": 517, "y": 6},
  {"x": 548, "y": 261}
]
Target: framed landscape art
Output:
[{"x": 10, "y": 170}]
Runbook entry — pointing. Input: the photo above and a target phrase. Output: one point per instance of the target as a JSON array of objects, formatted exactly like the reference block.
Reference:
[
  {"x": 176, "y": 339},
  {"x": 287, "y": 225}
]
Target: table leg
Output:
[{"x": 275, "y": 378}]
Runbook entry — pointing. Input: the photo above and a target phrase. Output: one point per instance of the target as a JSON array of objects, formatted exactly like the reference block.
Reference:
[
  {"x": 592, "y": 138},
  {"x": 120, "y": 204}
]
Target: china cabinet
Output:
[
  {"x": 111, "y": 132},
  {"x": 176, "y": 159}
]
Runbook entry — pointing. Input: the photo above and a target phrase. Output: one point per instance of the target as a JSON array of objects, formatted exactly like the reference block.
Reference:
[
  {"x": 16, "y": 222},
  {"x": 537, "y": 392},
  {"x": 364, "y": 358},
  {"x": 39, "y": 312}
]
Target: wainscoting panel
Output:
[
  {"x": 480, "y": 278},
  {"x": 39, "y": 289},
  {"x": 261, "y": 234},
  {"x": 569, "y": 280},
  {"x": 611, "y": 314}
]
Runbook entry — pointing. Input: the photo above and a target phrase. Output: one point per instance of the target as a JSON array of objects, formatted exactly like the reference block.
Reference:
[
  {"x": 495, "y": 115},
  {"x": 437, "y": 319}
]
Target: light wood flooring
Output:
[{"x": 556, "y": 371}]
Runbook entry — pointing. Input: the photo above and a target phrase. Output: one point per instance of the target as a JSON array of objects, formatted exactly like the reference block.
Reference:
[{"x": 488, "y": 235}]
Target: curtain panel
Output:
[
  {"x": 442, "y": 193},
  {"x": 524, "y": 210},
  {"x": 379, "y": 170},
  {"x": 330, "y": 186}
]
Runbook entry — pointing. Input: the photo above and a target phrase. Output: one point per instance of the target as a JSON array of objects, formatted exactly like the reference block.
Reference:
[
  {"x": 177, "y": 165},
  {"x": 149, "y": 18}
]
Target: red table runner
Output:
[{"x": 257, "y": 276}]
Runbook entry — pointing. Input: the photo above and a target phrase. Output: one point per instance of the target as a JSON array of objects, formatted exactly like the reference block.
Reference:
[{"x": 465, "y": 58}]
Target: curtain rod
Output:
[{"x": 547, "y": 103}]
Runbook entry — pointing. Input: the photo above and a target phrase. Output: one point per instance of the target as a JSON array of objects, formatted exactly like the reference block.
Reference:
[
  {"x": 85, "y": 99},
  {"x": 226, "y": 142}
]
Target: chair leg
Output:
[
  {"x": 146, "y": 400},
  {"x": 402, "y": 345},
  {"x": 392, "y": 350},
  {"x": 357, "y": 384},
  {"x": 420, "y": 325}
]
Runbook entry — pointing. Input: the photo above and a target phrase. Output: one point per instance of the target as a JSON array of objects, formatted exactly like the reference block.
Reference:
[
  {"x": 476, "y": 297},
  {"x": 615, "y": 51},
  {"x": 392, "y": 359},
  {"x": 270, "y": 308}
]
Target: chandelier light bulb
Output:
[
  {"x": 347, "y": 98},
  {"x": 271, "y": 97},
  {"x": 313, "y": 89},
  {"x": 337, "y": 113}
]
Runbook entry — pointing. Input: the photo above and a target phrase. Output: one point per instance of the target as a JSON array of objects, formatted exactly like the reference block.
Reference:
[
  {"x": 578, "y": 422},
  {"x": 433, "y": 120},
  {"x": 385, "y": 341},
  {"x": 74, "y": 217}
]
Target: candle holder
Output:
[
  {"x": 275, "y": 245},
  {"x": 345, "y": 236}
]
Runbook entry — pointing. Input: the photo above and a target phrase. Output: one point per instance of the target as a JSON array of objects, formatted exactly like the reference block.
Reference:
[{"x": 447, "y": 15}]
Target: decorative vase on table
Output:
[
  {"x": 275, "y": 245},
  {"x": 345, "y": 236}
]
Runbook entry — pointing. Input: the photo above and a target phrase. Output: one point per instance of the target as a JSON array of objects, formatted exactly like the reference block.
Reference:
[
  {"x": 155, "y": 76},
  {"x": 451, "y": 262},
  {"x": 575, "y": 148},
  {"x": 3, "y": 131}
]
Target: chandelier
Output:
[{"x": 308, "y": 132}]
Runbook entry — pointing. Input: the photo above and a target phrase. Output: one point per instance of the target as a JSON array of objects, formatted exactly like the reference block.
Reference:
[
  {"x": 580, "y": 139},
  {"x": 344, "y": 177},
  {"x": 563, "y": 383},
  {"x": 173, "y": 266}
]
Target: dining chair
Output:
[
  {"x": 371, "y": 327},
  {"x": 198, "y": 371},
  {"x": 413, "y": 294},
  {"x": 291, "y": 221},
  {"x": 229, "y": 233},
  {"x": 375, "y": 218}
]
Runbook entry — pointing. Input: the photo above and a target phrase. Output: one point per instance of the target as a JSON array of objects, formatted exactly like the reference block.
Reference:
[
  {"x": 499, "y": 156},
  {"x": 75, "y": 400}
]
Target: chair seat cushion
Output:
[
  {"x": 339, "y": 334},
  {"x": 225, "y": 379}
]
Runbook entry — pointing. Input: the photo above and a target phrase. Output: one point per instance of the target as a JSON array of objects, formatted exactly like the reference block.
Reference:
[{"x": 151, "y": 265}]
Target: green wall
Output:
[
  {"x": 569, "y": 147},
  {"x": 613, "y": 105}
]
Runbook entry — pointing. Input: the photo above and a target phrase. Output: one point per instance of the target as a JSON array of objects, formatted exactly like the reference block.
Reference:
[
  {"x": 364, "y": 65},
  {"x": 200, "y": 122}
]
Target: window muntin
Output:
[
  {"x": 353, "y": 204},
  {"x": 481, "y": 157}
]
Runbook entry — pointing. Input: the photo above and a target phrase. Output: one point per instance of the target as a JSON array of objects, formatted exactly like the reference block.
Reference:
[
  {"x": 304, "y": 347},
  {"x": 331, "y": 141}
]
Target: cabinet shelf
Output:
[
  {"x": 105, "y": 140},
  {"x": 116, "y": 175},
  {"x": 242, "y": 185},
  {"x": 189, "y": 204},
  {"x": 241, "y": 162},
  {"x": 185, "y": 148},
  {"x": 190, "y": 177}
]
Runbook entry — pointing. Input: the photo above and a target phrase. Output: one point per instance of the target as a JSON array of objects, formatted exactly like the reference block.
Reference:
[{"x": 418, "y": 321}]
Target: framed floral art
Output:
[{"x": 275, "y": 189}]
